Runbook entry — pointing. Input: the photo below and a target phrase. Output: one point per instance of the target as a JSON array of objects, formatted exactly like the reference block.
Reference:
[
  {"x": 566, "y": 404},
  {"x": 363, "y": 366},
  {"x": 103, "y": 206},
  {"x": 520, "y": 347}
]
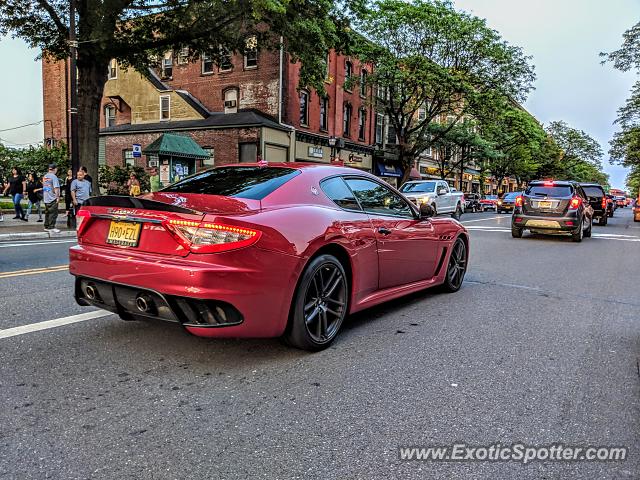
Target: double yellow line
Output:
[{"x": 33, "y": 271}]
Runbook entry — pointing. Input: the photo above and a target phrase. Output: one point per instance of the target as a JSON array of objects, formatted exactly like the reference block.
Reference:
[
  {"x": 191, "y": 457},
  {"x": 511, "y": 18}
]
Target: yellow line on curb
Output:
[{"x": 33, "y": 271}]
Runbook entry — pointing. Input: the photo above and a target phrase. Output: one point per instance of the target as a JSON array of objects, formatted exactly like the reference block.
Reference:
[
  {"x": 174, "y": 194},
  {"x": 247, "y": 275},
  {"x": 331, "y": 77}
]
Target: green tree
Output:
[
  {"x": 576, "y": 146},
  {"x": 432, "y": 62},
  {"x": 33, "y": 159},
  {"x": 134, "y": 31}
]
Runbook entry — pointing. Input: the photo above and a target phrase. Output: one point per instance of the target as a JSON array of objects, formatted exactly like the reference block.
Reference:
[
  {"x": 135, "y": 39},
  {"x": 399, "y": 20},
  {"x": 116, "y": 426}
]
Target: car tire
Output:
[
  {"x": 458, "y": 213},
  {"x": 587, "y": 232},
  {"x": 320, "y": 304},
  {"x": 602, "y": 221},
  {"x": 516, "y": 232},
  {"x": 435, "y": 210},
  {"x": 577, "y": 236},
  {"x": 457, "y": 267}
]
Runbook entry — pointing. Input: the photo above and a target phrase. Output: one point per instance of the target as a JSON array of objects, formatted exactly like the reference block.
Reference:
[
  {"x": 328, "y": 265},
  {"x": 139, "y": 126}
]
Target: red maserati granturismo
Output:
[{"x": 268, "y": 250}]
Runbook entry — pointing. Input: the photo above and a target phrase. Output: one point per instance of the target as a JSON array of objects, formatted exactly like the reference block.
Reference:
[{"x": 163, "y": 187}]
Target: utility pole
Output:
[{"x": 73, "y": 80}]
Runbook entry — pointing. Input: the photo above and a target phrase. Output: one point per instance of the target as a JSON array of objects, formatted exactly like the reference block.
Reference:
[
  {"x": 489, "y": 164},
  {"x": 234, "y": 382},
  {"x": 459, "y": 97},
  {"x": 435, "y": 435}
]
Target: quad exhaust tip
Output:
[
  {"x": 91, "y": 292},
  {"x": 143, "y": 303}
]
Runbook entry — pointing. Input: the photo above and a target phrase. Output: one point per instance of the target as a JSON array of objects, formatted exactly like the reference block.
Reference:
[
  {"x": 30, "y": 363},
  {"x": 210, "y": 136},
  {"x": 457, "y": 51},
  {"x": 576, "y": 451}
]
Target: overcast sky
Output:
[{"x": 563, "y": 36}]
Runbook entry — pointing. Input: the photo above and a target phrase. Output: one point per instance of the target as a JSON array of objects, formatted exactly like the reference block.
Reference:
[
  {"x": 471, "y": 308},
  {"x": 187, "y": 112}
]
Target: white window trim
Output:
[
  {"x": 168, "y": 56},
  {"x": 225, "y": 70},
  {"x": 106, "y": 116},
  {"x": 168, "y": 97},
  {"x": 206, "y": 58},
  {"x": 109, "y": 76}
]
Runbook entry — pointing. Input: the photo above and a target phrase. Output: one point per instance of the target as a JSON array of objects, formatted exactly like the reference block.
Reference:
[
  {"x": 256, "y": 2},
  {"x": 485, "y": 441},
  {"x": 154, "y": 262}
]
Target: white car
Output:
[{"x": 437, "y": 193}]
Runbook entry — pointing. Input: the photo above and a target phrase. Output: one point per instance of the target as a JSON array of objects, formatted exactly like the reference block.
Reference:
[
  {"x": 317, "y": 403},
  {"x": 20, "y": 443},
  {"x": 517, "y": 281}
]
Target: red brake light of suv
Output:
[
  {"x": 207, "y": 237},
  {"x": 519, "y": 201},
  {"x": 575, "y": 203},
  {"x": 604, "y": 203}
]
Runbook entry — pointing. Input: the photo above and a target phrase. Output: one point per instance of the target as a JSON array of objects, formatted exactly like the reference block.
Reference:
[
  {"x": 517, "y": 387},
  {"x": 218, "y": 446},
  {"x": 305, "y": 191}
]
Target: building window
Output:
[
  {"x": 381, "y": 92},
  {"x": 109, "y": 116},
  {"x": 379, "y": 128},
  {"x": 362, "y": 123},
  {"x": 251, "y": 53},
  {"x": 231, "y": 100},
  {"x": 346, "y": 112},
  {"x": 248, "y": 152},
  {"x": 165, "y": 107},
  {"x": 422, "y": 113},
  {"x": 226, "y": 63},
  {"x": 304, "y": 108},
  {"x": 167, "y": 65},
  {"x": 324, "y": 113},
  {"x": 391, "y": 135},
  {"x": 363, "y": 83},
  {"x": 348, "y": 73},
  {"x": 207, "y": 64},
  {"x": 112, "y": 72},
  {"x": 127, "y": 158},
  {"x": 183, "y": 56}
]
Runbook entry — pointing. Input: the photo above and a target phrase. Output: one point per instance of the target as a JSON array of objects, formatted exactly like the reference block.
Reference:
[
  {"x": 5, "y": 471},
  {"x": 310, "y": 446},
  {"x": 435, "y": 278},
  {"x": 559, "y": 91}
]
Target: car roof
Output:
[
  {"x": 586, "y": 184},
  {"x": 328, "y": 168},
  {"x": 560, "y": 183}
]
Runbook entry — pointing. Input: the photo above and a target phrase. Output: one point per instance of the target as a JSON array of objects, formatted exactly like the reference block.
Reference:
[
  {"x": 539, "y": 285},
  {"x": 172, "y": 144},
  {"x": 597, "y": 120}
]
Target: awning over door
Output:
[{"x": 175, "y": 145}]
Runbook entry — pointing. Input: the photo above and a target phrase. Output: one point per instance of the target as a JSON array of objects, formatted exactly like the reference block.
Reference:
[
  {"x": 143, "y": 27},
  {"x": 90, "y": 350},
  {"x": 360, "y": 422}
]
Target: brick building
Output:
[{"x": 247, "y": 107}]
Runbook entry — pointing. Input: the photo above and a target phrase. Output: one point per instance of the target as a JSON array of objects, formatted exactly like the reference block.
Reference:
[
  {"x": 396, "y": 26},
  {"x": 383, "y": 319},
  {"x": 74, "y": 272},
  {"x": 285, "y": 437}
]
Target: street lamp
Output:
[{"x": 332, "y": 144}]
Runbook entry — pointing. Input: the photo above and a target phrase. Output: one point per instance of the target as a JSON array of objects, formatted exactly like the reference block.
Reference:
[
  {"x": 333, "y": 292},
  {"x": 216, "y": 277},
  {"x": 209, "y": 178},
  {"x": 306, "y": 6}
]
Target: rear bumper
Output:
[
  {"x": 566, "y": 224},
  {"x": 256, "y": 284}
]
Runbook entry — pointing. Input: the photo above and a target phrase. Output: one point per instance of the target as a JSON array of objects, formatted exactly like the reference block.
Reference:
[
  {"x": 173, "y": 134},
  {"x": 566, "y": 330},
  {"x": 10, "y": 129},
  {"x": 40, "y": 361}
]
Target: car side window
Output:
[
  {"x": 444, "y": 185},
  {"x": 339, "y": 193},
  {"x": 378, "y": 199}
]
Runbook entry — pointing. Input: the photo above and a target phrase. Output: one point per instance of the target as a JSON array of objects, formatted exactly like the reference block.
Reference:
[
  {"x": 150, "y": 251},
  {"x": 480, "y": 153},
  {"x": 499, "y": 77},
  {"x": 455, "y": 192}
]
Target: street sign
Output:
[{"x": 137, "y": 150}]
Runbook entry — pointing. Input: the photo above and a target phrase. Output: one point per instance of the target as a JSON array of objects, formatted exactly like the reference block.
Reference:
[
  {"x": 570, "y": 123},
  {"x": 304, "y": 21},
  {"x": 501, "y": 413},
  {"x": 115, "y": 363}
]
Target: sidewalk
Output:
[{"x": 11, "y": 230}]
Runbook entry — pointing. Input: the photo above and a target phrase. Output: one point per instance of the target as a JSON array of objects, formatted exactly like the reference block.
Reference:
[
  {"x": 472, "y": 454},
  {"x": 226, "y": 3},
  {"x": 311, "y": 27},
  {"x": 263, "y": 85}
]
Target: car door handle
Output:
[{"x": 384, "y": 231}]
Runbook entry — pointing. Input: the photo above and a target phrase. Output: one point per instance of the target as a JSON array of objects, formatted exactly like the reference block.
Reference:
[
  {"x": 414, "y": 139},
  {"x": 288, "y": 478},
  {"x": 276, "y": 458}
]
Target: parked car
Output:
[
  {"x": 489, "y": 202},
  {"x": 472, "y": 202},
  {"x": 262, "y": 251},
  {"x": 437, "y": 193},
  {"x": 636, "y": 211},
  {"x": 508, "y": 202},
  {"x": 598, "y": 201},
  {"x": 553, "y": 207}
]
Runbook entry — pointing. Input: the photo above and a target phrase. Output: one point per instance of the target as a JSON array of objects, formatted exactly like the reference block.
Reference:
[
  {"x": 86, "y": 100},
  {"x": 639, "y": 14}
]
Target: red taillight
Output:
[
  {"x": 575, "y": 203},
  {"x": 604, "y": 203},
  {"x": 548, "y": 184},
  {"x": 519, "y": 201},
  {"x": 206, "y": 237},
  {"x": 82, "y": 220}
]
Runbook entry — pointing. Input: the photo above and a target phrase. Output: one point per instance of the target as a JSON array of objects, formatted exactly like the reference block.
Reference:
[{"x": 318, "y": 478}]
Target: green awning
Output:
[{"x": 175, "y": 145}]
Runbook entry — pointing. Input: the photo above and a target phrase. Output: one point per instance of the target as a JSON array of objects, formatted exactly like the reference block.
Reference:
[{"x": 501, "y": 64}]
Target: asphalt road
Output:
[{"x": 540, "y": 346}]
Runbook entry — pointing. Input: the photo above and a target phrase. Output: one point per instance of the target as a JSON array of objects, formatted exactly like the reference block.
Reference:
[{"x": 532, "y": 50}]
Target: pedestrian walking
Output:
[
  {"x": 154, "y": 180},
  {"x": 134, "y": 185},
  {"x": 34, "y": 194},
  {"x": 68, "y": 204},
  {"x": 17, "y": 188},
  {"x": 51, "y": 196},
  {"x": 80, "y": 192}
]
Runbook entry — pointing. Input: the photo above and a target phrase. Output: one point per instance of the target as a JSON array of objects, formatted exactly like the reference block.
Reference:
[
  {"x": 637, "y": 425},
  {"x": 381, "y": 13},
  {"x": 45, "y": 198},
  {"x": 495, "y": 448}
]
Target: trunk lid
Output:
[{"x": 138, "y": 224}]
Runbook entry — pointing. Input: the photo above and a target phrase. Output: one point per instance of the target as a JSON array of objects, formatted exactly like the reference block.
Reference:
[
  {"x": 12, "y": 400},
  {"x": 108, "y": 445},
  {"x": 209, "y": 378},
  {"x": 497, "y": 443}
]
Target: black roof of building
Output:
[{"x": 242, "y": 119}]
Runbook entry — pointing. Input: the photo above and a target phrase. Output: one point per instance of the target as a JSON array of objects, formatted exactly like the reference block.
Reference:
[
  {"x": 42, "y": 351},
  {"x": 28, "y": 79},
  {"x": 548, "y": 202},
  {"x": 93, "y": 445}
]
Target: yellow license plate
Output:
[
  {"x": 124, "y": 233},
  {"x": 543, "y": 224},
  {"x": 544, "y": 204}
]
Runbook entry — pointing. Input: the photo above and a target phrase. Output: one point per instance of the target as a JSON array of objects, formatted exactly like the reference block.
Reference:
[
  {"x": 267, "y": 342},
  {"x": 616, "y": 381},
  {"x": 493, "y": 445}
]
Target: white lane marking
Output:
[
  {"x": 28, "y": 244},
  {"x": 58, "y": 322},
  {"x": 481, "y": 219},
  {"x": 600, "y": 236}
]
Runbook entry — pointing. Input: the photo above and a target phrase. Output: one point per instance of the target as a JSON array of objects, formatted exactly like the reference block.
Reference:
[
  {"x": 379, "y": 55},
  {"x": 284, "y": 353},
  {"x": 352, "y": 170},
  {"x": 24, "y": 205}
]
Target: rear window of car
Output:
[
  {"x": 491, "y": 197},
  {"x": 253, "y": 183},
  {"x": 554, "y": 191},
  {"x": 593, "y": 191},
  {"x": 511, "y": 196},
  {"x": 428, "y": 187}
]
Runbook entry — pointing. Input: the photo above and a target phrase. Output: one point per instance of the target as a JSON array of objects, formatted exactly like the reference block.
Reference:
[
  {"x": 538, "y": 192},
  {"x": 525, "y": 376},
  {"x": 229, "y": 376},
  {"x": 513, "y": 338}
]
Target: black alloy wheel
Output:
[
  {"x": 458, "y": 212},
  {"x": 516, "y": 232},
  {"x": 457, "y": 266},
  {"x": 587, "y": 232},
  {"x": 320, "y": 305},
  {"x": 579, "y": 234},
  {"x": 603, "y": 221}
]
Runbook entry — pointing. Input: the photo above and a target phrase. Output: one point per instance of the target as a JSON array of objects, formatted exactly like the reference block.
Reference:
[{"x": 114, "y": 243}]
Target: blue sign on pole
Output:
[{"x": 137, "y": 150}]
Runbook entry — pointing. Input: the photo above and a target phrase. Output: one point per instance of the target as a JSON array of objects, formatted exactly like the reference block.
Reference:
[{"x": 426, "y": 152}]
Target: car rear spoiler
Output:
[{"x": 123, "y": 201}]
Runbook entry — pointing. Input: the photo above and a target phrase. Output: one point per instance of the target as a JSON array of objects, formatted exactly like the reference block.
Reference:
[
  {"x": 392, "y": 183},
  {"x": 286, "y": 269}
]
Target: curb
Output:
[{"x": 36, "y": 235}]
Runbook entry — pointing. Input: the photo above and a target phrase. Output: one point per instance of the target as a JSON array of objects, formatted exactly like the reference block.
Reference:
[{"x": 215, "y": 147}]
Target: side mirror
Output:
[
  {"x": 426, "y": 211},
  {"x": 442, "y": 191}
]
